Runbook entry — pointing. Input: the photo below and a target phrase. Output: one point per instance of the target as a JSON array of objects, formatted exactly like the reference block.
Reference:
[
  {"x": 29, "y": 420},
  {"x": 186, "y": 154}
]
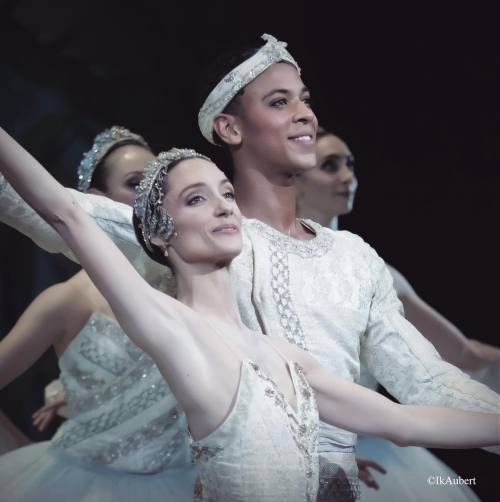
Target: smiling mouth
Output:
[
  {"x": 226, "y": 229},
  {"x": 305, "y": 139}
]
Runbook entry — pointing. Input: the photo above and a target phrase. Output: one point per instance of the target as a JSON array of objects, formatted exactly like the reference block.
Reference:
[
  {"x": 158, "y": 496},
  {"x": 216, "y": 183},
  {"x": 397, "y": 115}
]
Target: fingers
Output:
[
  {"x": 364, "y": 473},
  {"x": 43, "y": 417},
  {"x": 40, "y": 421},
  {"x": 368, "y": 480},
  {"x": 374, "y": 465}
]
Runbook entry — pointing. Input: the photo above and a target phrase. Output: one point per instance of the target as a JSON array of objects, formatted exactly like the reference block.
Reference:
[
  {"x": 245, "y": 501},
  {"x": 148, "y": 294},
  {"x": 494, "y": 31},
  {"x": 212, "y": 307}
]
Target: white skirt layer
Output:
[
  {"x": 408, "y": 470},
  {"x": 40, "y": 472}
]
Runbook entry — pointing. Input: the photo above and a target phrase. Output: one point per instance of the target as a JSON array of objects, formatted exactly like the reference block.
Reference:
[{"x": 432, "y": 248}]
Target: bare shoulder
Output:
[
  {"x": 56, "y": 315},
  {"x": 69, "y": 294}
]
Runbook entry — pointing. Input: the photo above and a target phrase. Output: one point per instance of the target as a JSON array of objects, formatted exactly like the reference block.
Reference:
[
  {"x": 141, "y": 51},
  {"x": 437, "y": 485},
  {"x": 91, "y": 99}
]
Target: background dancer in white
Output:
[
  {"x": 125, "y": 437},
  {"x": 327, "y": 192}
]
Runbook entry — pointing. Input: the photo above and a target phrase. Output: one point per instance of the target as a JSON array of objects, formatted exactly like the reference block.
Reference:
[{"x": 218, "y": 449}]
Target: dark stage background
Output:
[{"x": 413, "y": 91}]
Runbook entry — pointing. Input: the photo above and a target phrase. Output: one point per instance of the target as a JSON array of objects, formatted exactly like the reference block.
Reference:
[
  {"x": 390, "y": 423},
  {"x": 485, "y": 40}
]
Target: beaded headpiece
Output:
[
  {"x": 221, "y": 95},
  {"x": 101, "y": 146},
  {"x": 148, "y": 205}
]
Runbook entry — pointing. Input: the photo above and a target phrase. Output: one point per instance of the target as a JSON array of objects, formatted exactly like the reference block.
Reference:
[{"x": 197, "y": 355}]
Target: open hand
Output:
[
  {"x": 364, "y": 466},
  {"x": 44, "y": 416}
]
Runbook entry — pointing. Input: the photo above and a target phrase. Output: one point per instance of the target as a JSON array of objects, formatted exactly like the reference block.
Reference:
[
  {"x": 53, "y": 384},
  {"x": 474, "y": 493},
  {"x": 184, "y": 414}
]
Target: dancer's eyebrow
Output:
[
  {"x": 285, "y": 91},
  {"x": 193, "y": 185},
  {"x": 201, "y": 184}
]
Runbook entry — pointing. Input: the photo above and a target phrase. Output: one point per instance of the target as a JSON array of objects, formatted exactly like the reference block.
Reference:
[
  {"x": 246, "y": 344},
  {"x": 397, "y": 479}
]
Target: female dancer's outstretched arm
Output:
[
  {"x": 153, "y": 320},
  {"x": 450, "y": 342},
  {"x": 355, "y": 408}
]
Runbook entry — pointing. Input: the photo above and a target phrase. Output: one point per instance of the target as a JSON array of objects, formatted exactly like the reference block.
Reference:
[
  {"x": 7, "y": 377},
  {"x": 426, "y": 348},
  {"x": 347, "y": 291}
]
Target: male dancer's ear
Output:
[{"x": 225, "y": 126}]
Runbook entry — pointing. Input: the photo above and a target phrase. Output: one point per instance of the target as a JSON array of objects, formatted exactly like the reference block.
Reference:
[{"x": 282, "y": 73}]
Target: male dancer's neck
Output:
[
  {"x": 271, "y": 199},
  {"x": 308, "y": 211}
]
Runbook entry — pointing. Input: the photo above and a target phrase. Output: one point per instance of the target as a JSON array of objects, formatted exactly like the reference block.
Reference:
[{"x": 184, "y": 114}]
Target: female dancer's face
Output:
[
  {"x": 124, "y": 167},
  {"x": 201, "y": 201},
  {"x": 331, "y": 187},
  {"x": 277, "y": 124}
]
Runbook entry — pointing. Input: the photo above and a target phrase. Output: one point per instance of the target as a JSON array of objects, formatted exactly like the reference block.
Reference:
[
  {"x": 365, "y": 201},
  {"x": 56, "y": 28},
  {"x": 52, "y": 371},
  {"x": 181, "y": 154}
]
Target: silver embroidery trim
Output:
[
  {"x": 125, "y": 410},
  {"x": 313, "y": 248},
  {"x": 280, "y": 284},
  {"x": 145, "y": 369},
  {"x": 304, "y": 424},
  {"x": 204, "y": 453},
  {"x": 95, "y": 353},
  {"x": 135, "y": 441},
  {"x": 281, "y": 246},
  {"x": 85, "y": 380}
]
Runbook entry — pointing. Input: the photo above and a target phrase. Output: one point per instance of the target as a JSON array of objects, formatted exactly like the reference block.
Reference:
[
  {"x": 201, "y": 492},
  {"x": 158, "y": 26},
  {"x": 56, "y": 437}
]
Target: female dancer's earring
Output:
[{"x": 165, "y": 247}]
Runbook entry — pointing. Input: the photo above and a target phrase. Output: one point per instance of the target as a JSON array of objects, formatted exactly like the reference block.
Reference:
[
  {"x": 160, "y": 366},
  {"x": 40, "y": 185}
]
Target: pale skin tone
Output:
[
  {"x": 190, "y": 339},
  {"x": 327, "y": 192},
  {"x": 59, "y": 313}
]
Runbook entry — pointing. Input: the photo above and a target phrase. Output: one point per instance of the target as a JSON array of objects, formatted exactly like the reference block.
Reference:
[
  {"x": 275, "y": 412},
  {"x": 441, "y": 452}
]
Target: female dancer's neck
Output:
[{"x": 210, "y": 295}]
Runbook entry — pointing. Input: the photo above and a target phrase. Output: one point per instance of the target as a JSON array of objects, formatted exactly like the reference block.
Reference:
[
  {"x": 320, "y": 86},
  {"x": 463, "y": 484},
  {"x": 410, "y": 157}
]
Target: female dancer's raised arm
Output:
[{"x": 143, "y": 313}]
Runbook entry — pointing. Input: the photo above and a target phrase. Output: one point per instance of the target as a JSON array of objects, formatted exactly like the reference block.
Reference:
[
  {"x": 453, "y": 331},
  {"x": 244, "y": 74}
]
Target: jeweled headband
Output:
[
  {"x": 102, "y": 144},
  {"x": 148, "y": 205},
  {"x": 221, "y": 95}
]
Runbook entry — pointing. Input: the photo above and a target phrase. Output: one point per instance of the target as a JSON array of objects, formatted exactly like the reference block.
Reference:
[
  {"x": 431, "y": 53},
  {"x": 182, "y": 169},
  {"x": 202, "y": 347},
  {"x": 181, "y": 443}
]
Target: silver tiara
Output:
[
  {"x": 102, "y": 143},
  {"x": 221, "y": 95},
  {"x": 148, "y": 205}
]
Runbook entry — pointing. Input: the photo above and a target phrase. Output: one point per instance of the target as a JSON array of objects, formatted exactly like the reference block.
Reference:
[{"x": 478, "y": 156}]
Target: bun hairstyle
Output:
[{"x": 156, "y": 253}]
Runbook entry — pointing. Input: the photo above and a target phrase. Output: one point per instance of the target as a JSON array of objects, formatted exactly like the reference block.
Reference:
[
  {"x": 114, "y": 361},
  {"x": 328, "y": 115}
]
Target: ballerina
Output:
[
  {"x": 326, "y": 193},
  {"x": 328, "y": 293},
  {"x": 124, "y": 420},
  {"x": 248, "y": 399}
]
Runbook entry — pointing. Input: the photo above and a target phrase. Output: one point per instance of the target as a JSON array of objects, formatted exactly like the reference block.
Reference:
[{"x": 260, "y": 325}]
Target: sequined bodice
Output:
[
  {"x": 122, "y": 412},
  {"x": 264, "y": 450}
]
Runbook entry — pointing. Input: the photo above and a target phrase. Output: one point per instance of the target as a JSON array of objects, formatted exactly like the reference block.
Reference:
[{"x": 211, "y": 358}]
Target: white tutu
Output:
[
  {"x": 40, "y": 472},
  {"x": 408, "y": 470}
]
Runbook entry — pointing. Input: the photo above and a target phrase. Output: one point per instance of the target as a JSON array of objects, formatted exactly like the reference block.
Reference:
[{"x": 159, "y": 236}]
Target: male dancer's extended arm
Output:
[
  {"x": 113, "y": 217},
  {"x": 406, "y": 364}
]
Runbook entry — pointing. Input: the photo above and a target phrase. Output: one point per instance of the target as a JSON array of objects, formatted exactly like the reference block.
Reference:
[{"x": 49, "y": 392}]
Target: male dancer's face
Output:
[{"x": 276, "y": 123}]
